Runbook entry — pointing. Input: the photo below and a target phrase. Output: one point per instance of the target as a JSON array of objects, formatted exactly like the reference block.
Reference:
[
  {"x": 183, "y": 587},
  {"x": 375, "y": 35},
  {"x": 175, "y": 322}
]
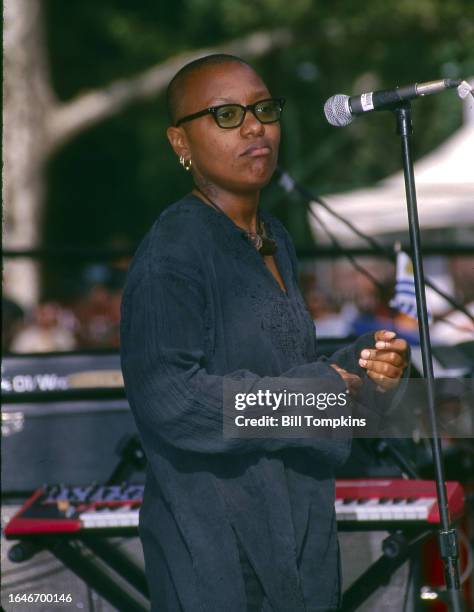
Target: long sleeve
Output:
[
  {"x": 165, "y": 325},
  {"x": 378, "y": 404}
]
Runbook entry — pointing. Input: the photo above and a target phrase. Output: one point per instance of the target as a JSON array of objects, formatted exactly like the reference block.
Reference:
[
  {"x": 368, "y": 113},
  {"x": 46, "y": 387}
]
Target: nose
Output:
[{"x": 251, "y": 125}]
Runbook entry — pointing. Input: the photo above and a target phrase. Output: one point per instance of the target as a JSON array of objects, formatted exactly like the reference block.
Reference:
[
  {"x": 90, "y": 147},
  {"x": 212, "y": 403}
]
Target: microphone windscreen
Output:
[{"x": 337, "y": 110}]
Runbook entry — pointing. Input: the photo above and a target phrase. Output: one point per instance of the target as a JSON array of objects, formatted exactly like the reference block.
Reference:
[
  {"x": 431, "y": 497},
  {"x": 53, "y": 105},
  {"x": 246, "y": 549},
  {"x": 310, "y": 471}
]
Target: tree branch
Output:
[{"x": 70, "y": 118}]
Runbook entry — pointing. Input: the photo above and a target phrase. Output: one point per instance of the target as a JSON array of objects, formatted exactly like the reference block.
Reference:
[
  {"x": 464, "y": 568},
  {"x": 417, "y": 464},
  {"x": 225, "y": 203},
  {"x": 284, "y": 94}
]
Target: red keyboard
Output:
[
  {"x": 114, "y": 509},
  {"x": 388, "y": 500}
]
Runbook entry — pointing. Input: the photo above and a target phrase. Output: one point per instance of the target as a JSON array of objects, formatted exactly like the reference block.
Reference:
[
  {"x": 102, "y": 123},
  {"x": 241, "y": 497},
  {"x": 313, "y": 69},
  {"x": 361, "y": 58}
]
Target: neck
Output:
[{"x": 241, "y": 208}]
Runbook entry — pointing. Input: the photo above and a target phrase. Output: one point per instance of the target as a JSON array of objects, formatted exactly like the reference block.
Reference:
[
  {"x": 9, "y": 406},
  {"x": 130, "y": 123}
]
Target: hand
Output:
[
  {"x": 353, "y": 382},
  {"x": 385, "y": 363}
]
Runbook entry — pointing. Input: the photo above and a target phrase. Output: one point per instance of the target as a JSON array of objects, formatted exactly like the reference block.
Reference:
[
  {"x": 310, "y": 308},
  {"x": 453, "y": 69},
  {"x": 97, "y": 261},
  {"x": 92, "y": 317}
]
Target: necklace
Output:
[{"x": 259, "y": 239}]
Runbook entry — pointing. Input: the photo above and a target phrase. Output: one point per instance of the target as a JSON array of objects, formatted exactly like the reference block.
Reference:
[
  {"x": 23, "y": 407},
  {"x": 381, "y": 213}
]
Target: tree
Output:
[{"x": 58, "y": 114}]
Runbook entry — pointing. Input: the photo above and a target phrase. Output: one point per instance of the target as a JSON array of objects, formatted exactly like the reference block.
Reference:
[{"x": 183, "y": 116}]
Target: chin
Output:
[{"x": 260, "y": 175}]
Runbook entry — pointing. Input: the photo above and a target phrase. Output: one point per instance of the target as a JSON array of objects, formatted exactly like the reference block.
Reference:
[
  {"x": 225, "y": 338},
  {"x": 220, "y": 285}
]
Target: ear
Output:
[{"x": 178, "y": 140}]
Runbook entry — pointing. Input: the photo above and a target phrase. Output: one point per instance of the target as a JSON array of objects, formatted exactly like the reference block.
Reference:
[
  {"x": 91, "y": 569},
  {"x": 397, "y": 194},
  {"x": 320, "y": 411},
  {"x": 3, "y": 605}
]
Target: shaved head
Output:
[{"x": 176, "y": 90}]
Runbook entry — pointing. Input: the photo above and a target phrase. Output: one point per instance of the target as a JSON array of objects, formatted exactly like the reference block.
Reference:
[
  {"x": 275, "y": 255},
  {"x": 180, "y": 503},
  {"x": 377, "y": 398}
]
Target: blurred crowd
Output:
[
  {"x": 91, "y": 319},
  {"x": 359, "y": 305}
]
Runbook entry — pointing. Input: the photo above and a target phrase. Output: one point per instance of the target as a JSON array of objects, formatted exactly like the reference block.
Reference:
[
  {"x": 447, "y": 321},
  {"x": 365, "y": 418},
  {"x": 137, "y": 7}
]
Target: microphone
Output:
[{"x": 340, "y": 110}]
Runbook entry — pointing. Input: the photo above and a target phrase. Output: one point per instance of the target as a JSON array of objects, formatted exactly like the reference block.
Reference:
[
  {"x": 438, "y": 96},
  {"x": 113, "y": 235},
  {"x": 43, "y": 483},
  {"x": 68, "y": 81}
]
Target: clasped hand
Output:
[{"x": 384, "y": 363}]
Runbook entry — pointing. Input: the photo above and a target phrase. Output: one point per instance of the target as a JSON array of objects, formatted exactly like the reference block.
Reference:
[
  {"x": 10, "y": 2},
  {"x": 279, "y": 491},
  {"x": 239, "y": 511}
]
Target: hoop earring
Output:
[{"x": 186, "y": 163}]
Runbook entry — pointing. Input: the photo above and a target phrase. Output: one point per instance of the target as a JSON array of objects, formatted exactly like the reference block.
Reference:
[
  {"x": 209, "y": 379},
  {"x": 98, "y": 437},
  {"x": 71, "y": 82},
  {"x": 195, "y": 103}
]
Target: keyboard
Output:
[
  {"x": 114, "y": 509},
  {"x": 394, "y": 500}
]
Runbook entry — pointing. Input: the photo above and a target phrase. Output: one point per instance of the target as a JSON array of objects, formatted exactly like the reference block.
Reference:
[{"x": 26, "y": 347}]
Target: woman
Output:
[{"x": 226, "y": 523}]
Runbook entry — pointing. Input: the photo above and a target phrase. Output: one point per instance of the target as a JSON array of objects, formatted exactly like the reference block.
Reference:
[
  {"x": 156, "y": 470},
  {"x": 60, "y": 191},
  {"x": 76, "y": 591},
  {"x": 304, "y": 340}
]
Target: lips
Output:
[{"x": 258, "y": 149}]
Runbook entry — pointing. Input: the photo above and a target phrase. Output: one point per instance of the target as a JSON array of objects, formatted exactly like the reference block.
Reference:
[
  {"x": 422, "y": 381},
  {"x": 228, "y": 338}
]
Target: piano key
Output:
[
  {"x": 370, "y": 511},
  {"x": 109, "y": 519},
  {"x": 383, "y": 509}
]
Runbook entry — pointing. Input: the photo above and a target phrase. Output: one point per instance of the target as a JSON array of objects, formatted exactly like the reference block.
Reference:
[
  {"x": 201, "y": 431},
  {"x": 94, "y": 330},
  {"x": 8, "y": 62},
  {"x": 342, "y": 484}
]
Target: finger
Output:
[
  {"x": 384, "y": 385},
  {"x": 342, "y": 373},
  {"x": 384, "y": 334},
  {"x": 352, "y": 380},
  {"x": 382, "y": 381},
  {"x": 383, "y": 368},
  {"x": 379, "y": 355},
  {"x": 355, "y": 381},
  {"x": 354, "y": 386},
  {"x": 399, "y": 344}
]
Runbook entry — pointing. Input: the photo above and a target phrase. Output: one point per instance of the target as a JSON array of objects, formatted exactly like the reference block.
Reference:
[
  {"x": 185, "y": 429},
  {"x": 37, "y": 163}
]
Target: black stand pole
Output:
[{"x": 447, "y": 536}]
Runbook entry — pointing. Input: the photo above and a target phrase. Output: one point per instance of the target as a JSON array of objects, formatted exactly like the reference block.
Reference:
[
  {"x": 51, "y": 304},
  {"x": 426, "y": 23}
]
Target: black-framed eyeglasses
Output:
[{"x": 228, "y": 116}]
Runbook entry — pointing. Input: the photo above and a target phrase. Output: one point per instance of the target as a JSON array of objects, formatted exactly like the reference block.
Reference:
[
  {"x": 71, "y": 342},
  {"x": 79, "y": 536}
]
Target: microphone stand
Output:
[
  {"x": 289, "y": 185},
  {"x": 447, "y": 536}
]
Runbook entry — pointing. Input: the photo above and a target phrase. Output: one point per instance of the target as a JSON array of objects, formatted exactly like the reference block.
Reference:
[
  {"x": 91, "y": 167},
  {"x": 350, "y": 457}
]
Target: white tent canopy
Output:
[{"x": 445, "y": 193}]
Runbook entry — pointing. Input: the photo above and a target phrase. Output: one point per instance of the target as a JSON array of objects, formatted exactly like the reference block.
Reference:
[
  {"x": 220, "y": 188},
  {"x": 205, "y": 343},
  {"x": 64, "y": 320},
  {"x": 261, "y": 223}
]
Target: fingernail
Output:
[
  {"x": 362, "y": 362},
  {"x": 365, "y": 354},
  {"x": 390, "y": 334},
  {"x": 380, "y": 344}
]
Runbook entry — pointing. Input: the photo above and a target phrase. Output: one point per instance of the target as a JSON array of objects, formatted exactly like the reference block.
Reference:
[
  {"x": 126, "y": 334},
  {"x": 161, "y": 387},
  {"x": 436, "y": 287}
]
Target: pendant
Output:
[
  {"x": 269, "y": 247},
  {"x": 264, "y": 245},
  {"x": 255, "y": 239}
]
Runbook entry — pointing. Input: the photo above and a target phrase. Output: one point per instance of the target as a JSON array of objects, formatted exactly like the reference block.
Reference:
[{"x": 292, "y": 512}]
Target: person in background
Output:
[
  {"x": 98, "y": 310},
  {"x": 44, "y": 332},
  {"x": 327, "y": 317}
]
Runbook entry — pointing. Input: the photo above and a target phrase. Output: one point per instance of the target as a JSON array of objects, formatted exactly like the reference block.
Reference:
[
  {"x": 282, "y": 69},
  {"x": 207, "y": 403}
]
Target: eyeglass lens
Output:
[{"x": 231, "y": 115}]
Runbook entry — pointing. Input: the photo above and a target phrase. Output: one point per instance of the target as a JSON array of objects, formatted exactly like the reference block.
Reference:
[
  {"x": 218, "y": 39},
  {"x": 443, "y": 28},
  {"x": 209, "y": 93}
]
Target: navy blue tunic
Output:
[{"x": 199, "y": 306}]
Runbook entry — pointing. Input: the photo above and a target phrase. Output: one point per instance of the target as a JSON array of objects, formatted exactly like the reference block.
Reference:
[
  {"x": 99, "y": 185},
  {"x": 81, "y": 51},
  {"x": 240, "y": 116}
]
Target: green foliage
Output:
[{"x": 116, "y": 178}]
